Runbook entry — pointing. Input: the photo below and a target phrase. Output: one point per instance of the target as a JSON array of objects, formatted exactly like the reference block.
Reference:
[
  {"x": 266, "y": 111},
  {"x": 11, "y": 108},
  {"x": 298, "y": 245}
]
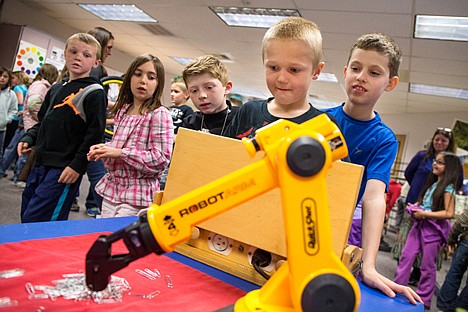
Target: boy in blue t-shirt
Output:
[{"x": 371, "y": 70}]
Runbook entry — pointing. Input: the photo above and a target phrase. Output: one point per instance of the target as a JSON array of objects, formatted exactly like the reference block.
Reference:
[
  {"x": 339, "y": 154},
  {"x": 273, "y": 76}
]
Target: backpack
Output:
[{"x": 79, "y": 98}]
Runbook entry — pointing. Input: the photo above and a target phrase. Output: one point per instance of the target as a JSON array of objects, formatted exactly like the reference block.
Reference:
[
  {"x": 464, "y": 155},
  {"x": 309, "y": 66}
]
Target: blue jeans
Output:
[
  {"x": 449, "y": 290},
  {"x": 95, "y": 172},
  {"x": 11, "y": 152},
  {"x": 19, "y": 166},
  {"x": 2, "y": 139},
  {"x": 44, "y": 198}
]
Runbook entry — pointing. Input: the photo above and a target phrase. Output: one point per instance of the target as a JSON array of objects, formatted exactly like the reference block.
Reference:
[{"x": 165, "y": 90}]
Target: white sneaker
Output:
[{"x": 20, "y": 184}]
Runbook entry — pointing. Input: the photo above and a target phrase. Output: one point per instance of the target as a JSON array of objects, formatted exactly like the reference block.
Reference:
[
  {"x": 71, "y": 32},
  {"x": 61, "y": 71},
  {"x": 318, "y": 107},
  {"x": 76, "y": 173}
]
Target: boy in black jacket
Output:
[
  {"x": 208, "y": 85},
  {"x": 71, "y": 119}
]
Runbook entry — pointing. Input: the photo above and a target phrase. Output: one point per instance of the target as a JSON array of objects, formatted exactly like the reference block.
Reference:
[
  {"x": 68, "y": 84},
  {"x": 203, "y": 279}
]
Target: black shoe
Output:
[
  {"x": 384, "y": 246},
  {"x": 414, "y": 277},
  {"x": 75, "y": 206}
]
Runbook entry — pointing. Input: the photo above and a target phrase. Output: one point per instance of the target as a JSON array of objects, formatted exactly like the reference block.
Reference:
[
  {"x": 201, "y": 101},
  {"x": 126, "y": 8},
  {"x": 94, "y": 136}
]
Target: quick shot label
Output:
[{"x": 309, "y": 226}]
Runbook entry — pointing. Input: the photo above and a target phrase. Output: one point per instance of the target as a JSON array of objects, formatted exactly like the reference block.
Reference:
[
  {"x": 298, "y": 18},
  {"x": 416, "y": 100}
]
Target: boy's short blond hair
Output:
[
  {"x": 207, "y": 64},
  {"x": 382, "y": 44},
  {"x": 88, "y": 39},
  {"x": 297, "y": 28},
  {"x": 179, "y": 81}
]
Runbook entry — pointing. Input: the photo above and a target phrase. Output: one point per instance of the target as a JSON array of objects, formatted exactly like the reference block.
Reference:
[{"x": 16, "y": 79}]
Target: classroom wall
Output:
[
  {"x": 419, "y": 128},
  {"x": 12, "y": 35}
]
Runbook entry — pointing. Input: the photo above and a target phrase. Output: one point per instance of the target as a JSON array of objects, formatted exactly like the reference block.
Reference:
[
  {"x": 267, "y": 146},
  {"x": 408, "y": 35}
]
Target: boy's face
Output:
[
  {"x": 207, "y": 93},
  {"x": 367, "y": 77},
  {"x": 143, "y": 83},
  {"x": 80, "y": 58},
  {"x": 178, "y": 96},
  {"x": 289, "y": 71}
]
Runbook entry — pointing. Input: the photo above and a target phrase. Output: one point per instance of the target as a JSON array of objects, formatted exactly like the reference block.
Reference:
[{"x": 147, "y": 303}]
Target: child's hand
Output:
[
  {"x": 103, "y": 151},
  {"x": 90, "y": 155},
  {"x": 419, "y": 214},
  {"x": 411, "y": 208},
  {"x": 23, "y": 148},
  {"x": 96, "y": 146},
  {"x": 68, "y": 176}
]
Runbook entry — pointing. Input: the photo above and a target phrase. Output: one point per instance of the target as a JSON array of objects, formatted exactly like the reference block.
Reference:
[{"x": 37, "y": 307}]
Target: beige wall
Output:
[{"x": 419, "y": 128}]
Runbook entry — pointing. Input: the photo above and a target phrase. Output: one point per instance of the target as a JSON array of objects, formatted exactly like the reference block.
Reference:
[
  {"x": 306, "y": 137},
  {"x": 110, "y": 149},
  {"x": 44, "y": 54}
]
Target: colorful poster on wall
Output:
[{"x": 29, "y": 58}]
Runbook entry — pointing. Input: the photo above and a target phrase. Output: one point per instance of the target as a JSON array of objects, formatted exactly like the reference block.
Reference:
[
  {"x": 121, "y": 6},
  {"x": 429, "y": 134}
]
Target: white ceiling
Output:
[{"x": 195, "y": 30}]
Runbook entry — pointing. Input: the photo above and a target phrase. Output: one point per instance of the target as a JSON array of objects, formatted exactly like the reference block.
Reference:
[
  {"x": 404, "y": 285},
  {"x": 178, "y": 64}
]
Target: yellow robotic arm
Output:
[{"x": 297, "y": 159}]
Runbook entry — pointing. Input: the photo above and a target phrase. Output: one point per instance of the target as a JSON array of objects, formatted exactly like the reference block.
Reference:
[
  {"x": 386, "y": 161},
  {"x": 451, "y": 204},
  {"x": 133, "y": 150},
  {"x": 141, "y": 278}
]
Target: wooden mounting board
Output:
[{"x": 200, "y": 158}]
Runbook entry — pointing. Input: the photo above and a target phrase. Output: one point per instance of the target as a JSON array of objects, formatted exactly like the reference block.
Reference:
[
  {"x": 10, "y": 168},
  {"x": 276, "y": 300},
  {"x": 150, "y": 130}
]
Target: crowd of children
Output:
[{"x": 64, "y": 127}]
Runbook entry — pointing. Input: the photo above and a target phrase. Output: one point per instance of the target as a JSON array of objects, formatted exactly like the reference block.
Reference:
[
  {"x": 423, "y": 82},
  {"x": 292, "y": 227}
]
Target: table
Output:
[{"x": 10, "y": 233}]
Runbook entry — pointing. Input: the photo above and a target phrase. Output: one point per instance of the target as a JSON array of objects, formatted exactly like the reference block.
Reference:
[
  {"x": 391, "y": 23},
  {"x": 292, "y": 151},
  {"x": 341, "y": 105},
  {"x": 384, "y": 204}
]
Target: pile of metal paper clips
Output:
[{"x": 73, "y": 287}]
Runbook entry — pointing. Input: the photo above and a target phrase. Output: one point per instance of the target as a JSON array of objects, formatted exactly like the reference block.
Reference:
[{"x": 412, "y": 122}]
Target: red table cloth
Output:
[{"x": 46, "y": 260}]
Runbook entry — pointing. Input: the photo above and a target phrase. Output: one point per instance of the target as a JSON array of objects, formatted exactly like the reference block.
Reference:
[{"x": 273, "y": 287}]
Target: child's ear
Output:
[
  {"x": 392, "y": 83},
  {"x": 318, "y": 70},
  {"x": 97, "y": 63},
  {"x": 228, "y": 87}
]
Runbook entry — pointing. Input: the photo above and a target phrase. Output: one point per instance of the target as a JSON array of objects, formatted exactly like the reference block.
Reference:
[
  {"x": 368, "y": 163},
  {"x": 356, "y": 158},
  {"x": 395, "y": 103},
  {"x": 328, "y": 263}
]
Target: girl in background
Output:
[
  {"x": 431, "y": 227},
  {"x": 37, "y": 91},
  {"x": 19, "y": 84},
  {"x": 416, "y": 174},
  {"x": 141, "y": 146},
  {"x": 46, "y": 76},
  {"x": 106, "y": 40},
  {"x": 8, "y": 104},
  {"x": 96, "y": 170}
]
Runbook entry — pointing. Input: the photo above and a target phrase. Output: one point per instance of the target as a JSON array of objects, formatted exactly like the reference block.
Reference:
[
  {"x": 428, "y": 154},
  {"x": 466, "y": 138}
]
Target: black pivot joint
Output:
[{"x": 305, "y": 156}]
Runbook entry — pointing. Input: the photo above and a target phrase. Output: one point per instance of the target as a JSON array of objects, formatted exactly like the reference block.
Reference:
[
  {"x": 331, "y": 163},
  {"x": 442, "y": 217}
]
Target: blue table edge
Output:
[{"x": 12, "y": 233}]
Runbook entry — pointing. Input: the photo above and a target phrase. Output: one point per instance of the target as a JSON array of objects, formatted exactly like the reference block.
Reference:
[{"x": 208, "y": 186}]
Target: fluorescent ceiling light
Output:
[
  {"x": 327, "y": 77},
  {"x": 439, "y": 91},
  {"x": 118, "y": 12},
  {"x": 252, "y": 17},
  {"x": 182, "y": 60},
  {"x": 441, "y": 27}
]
